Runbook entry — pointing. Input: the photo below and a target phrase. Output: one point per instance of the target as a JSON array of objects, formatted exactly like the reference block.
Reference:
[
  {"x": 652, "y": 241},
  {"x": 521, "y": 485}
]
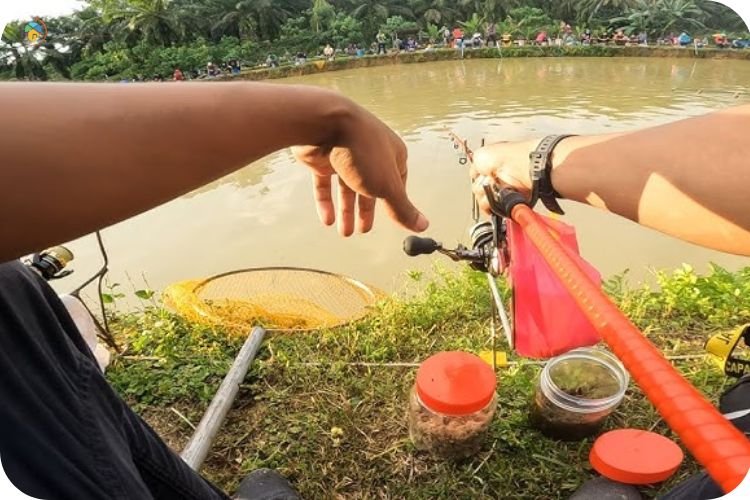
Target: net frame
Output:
[{"x": 365, "y": 293}]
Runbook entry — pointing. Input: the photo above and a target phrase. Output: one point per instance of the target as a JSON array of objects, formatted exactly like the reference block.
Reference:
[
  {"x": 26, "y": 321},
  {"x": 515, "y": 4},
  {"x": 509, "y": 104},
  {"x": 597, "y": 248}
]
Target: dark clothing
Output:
[
  {"x": 733, "y": 404},
  {"x": 64, "y": 432}
]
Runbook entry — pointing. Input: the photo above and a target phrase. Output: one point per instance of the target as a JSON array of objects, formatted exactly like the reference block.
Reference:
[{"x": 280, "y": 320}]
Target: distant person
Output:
[
  {"x": 720, "y": 40},
  {"x": 381, "y": 39},
  {"x": 177, "y": 75},
  {"x": 476, "y": 40},
  {"x": 411, "y": 44},
  {"x": 398, "y": 44},
  {"x": 458, "y": 38},
  {"x": 684, "y": 39},
  {"x": 643, "y": 38},
  {"x": 586, "y": 37},
  {"x": 491, "y": 34},
  {"x": 272, "y": 61},
  {"x": 446, "y": 32},
  {"x": 620, "y": 38},
  {"x": 328, "y": 52},
  {"x": 300, "y": 58},
  {"x": 541, "y": 38}
]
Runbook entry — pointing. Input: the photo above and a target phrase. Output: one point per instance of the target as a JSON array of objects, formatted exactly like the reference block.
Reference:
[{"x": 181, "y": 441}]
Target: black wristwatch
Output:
[{"x": 541, "y": 174}]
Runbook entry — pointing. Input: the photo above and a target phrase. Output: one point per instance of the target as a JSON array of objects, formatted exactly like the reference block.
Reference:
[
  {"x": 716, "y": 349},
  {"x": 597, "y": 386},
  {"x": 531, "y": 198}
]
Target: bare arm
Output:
[
  {"x": 78, "y": 157},
  {"x": 689, "y": 179}
]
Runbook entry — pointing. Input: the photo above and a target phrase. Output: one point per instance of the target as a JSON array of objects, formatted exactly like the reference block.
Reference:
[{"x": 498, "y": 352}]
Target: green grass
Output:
[{"x": 339, "y": 430}]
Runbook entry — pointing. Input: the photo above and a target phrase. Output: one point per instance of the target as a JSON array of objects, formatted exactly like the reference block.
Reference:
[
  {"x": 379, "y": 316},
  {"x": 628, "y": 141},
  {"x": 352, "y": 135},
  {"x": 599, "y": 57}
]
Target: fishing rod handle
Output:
[{"x": 719, "y": 446}]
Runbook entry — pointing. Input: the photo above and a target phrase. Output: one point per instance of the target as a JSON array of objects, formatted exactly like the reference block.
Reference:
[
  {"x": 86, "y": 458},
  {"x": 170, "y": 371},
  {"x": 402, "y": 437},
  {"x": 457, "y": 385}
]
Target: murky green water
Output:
[{"x": 264, "y": 215}]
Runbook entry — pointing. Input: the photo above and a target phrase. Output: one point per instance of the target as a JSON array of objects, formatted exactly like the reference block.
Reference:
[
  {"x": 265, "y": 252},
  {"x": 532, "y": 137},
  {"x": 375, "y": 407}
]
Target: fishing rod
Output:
[
  {"x": 51, "y": 265},
  {"x": 722, "y": 449},
  {"x": 488, "y": 252}
]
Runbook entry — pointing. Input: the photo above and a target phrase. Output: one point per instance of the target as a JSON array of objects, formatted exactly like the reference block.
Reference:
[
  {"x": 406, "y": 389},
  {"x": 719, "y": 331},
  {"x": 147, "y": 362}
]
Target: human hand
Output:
[
  {"x": 369, "y": 160},
  {"x": 505, "y": 164}
]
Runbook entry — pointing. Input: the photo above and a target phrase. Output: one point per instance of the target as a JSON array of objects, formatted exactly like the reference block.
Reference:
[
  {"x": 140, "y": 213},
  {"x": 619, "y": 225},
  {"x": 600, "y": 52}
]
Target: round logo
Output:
[{"x": 35, "y": 31}]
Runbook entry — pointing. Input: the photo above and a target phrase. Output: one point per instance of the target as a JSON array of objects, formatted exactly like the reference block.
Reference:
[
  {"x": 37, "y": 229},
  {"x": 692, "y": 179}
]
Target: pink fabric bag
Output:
[{"x": 546, "y": 319}]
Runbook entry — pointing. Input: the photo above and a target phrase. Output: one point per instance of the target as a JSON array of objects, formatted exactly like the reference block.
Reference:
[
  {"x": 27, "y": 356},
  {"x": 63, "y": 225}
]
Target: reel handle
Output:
[{"x": 414, "y": 245}]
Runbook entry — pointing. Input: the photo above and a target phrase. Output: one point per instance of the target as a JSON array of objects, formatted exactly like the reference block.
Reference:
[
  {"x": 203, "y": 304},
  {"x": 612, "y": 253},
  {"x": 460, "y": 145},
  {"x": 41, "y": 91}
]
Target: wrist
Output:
[
  {"x": 339, "y": 117},
  {"x": 559, "y": 175}
]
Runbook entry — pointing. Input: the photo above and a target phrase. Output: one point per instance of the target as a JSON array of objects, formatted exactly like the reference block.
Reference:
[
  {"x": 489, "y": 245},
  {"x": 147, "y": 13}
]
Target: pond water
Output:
[{"x": 264, "y": 214}]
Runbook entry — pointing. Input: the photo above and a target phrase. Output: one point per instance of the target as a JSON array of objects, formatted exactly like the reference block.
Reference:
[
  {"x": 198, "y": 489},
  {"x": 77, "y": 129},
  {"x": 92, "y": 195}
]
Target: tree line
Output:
[{"x": 113, "y": 39}]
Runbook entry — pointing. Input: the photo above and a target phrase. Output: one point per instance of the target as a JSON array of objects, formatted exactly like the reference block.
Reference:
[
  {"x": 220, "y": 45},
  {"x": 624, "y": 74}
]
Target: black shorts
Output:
[{"x": 64, "y": 432}]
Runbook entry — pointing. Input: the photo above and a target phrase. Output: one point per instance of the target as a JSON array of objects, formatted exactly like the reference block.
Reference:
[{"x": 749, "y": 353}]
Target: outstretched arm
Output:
[
  {"x": 689, "y": 179},
  {"x": 78, "y": 157}
]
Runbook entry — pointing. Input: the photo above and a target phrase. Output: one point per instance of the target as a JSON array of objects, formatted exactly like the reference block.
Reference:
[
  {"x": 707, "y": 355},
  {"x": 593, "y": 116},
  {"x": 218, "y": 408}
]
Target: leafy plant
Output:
[
  {"x": 472, "y": 25},
  {"x": 659, "y": 17}
]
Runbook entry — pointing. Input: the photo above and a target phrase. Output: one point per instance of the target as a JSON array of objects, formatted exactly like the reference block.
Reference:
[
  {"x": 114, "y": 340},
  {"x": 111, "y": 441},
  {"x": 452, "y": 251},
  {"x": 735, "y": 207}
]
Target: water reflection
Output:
[{"x": 264, "y": 215}]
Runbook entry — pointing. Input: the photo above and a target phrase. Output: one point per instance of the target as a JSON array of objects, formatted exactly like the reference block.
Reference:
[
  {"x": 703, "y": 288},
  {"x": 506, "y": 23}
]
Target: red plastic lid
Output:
[
  {"x": 635, "y": 456},
  {"x": 455, "y": 383}
]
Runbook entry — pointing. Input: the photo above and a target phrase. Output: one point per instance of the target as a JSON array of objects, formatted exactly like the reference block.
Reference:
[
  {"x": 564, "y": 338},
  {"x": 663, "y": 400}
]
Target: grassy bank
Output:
[
  {"x": 320, "y": 66},
  {"x": 339, "y": 430}
]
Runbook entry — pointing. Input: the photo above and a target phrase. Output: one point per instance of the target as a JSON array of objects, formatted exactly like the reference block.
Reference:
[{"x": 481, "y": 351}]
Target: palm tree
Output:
[
  {"x": 473, "y": 25},
  {"x": 232, "y": 18},
  {"x": 679, "y": 14},
  {"x": 373, "y": 13},
  {"x": 321, "y": 12},
  {"x": 587, "y": 10},
  {"x": 662, "y": 16},
  {"x": 29, "y": 62},
  {"x": 434, "y": 11},
  {"x": 431, "y": 32},
  {"x": 492, "y": 10},
  {"x": 153, "y": 21},
  {"x": 268, "y": 15},
  {"x": 720, "y": 16}
]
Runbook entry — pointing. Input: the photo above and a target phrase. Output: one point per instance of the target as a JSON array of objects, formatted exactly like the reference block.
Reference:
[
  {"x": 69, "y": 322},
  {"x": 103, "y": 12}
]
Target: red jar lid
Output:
[
  {"x": 455, "y": 383},
  {"x": 635, "y": 456}
]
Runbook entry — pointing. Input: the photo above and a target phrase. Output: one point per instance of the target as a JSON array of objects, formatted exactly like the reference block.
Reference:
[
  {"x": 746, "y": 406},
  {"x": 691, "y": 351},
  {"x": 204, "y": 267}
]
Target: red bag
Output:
[{"x": 546, "y": 319}]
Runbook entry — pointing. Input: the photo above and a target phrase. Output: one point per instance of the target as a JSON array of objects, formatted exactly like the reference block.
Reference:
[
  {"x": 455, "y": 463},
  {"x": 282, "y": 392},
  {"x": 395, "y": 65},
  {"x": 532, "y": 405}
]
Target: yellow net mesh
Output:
[{"x": 276, "y": 298}]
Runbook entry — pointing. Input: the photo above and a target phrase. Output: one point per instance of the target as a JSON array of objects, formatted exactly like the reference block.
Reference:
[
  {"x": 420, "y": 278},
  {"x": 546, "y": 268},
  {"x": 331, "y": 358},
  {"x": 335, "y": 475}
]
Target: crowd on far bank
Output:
[{"x": 458, "y": 39}]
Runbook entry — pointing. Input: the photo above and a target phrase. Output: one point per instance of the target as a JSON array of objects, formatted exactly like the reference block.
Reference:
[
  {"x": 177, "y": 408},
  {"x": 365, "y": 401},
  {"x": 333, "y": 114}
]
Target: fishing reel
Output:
[
  {"x": 488, "y": 251},
  {"x": 50, "y": 264}
]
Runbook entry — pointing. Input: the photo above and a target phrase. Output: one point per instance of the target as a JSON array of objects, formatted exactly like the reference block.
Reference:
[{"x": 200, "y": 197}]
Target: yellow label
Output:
[
  {"x": 721, "y": 347},
  {"x": 501, "y": 358}
]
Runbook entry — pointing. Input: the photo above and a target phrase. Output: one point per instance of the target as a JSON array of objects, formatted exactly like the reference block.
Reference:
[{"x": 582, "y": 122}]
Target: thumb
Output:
[
  {"x": 489, "y": 158},
  {"x": 402, "y": 210}
]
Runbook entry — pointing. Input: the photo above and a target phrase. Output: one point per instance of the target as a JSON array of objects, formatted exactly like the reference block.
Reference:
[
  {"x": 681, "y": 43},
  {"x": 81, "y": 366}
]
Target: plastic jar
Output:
[
  {"x": 576, "y": 393},
  {"x": 452, "y": 404}
]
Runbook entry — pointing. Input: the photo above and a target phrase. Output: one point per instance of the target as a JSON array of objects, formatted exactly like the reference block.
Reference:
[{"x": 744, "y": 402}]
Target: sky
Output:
[{"x": 22, "y": 9}]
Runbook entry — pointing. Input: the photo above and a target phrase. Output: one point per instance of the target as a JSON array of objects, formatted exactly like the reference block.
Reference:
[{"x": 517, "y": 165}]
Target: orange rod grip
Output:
[{"x": 719, "y": 446}]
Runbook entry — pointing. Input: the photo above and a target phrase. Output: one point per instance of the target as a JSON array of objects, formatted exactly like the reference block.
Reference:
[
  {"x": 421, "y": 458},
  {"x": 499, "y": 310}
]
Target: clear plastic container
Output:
[
  {"x": 576, "y": 393},
  {"x": 452, "y": 404}
]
